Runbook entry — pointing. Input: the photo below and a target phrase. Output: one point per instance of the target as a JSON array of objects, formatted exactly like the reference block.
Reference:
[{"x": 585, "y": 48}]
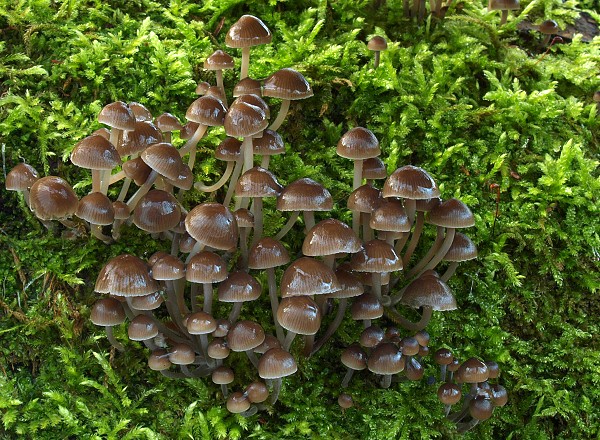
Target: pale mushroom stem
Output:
[
  {"x": 414, "y": 239},
  {"x": 309, "y": 220},
  {"x": 449, "y": 271},
  {"x": 289, "y": 338},
  {"x": 333, "y": 326},
  {"x": 221, "y": 86},
  {"x": 245, "y": 62},
  {"x": 142, "y": 190},
  {"x": 243, "y": 238},
  {"x": 439, "y": 239},
  {"x": 274, "y": 302},
  {"x": 204, "y": 188},
  {"x": 358, "y": 171},
  {"x": 264, "y": 162},
  {"x": 208, "y": 298},
  {"x": 252, "y": 357},
  {"x": 193, "y": 141},
  {"x": 426, "y": 312},
  {"x": 276, "y": 390},
  {"x": 96, "y": 231},
  {"x": 257, "y": 208},
  {"x": 504, "y": 17},
  {"x": 442, "y": 251},
  {"x": 237, "y": 170},
  {"x": 248, "y": 152},
  {"x": 235, "y": 312},
  {"x": 96, "y": 180},
  {"x": 376, "y": 59},
  {"x": 347, "y": 377},
  {"x": 464, "y": 427},
  {"x": 105, "y": 177},
  {"x": 309, "y": 342},
  {"x": 376, "y": 287},
  {"x": 367, "y": 231},
  {"x": 114, "y": 178},
  {"x": 288, "y": 226},
  {"x": 386, "y": 381},
  {"x": 111, "y": 338},
  {"x": 283, "y": 111}
]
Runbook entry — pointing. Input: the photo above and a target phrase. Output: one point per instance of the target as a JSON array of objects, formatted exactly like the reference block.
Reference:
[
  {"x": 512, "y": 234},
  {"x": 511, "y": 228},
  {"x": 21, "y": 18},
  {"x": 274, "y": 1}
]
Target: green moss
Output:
[{"x": 472, "y": 104}]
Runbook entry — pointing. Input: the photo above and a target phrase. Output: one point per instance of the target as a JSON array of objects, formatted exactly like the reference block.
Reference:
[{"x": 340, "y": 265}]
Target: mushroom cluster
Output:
[{"x": 219, "y": 252}]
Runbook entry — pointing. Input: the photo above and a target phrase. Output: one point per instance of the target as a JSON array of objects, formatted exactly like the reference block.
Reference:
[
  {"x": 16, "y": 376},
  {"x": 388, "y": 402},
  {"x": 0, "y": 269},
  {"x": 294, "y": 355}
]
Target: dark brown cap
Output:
[
  {"x": 126, "y": 275},
  {"x": 206, "y": 267},
  {"x": 276, "y": 363},
  {"x": 287, "y": 84},
  {"x": 386, "y": 358},
  {"x": 239, "y": 286},
  {"x": 299, "y": 314},
  {"x": 157, "y": 211},
  {"x": 307, "y": 276},
  {"x": 376, "y": 256},
  {"x": 451, "y": 213},
  {"x": 219, "y": 60},
  {"x": 304, "y": 195},
  {"x": 141, "y": 137},
  {"x": 96, "y": 209},
  {"x": 95, "y": 153},
  {"x": 267, "y": 252},
  {"x": 429, "y": 290},
  {"x": 142, "y": 328},
  {"x": 329, "y": 237},
  {"x": 358, "y": 143},
  {"x": 410, "y": 182},
  {"x": 107, "y": 312},
  {"x": 52, "y": 198},
  {"x": 213, "y": 225},
  {"x": 377, "y": 43},
  {"x": 244, "y": 120}
]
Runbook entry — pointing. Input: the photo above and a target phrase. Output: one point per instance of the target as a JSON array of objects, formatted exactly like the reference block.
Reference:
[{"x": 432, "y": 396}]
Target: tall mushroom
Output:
[
  {"x": 287, "y": 85},
  {"x": 248, "y": 31}
]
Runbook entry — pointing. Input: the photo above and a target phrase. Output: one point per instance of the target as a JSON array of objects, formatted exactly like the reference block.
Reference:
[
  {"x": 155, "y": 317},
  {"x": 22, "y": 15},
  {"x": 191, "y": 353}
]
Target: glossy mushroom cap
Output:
[
  {"x": 266, "y": 253},
  {"x": 244, "y": 120},
  {"x": 52, "y": 198},
  {"x": 157, "y": 211},
  {"x": 330, "y": 237},
  {"x": 473, "y": 371},
  {"x": 429, "y": 290},
  {"x": 107, "y": 312},
  {"x": 248, "y": 31},
  {"x": 549, "y": 27},
  {"x": 117, "y": 115},
  {"x": 451, "y": 213},
  {"x": 287, "y": 84},
  {"x": 95, "y": 153},
  {"x": 21, "y": 177},
  {"x": 126, "y": 275},
  {"x": 219, "y": 60},
  {"x": 213, "y": 225},
  {"x": 207, "y": 110},
  {"x": 503, "y": 5},
  {"x": 96, "y": 208},
  {"x": 358, "y": 143},
  {"x": 299, "y": 314},
  {"x": 377, "y": 43},
  {"x": 376, "y": 256},
  {"x": 276, "y": 363},
  {"x": 304, "y": 195},
  {"x": 410, "y": 182},
  {"x": 307, "y": 276}
]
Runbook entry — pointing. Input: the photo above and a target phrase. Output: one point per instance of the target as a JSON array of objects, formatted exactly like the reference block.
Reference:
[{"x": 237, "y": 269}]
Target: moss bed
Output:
[{"x": 499, "y": 123}]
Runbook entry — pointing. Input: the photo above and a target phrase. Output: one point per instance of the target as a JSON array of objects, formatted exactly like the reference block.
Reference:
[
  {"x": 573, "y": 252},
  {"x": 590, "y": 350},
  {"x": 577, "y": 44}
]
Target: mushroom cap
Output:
[
  {"x": 366, "y": 306},
  {"x": 358, "y": 143},
  {"x": 267, "y": 252},
  {"x": 299, "y": 314},
  {"x": 184, "y": 180},
  {"x": 269, "y": 144},
  {"x": 429, "y": 290},
  {"x": 219, "y": 60},
  {"x": 144, "y": 134},
  {"x": 239, "y": 286},
  {"x": 95, "y": 153},
  {"x": 107, "y": 312},
  {"x": 374, "y": 169},
  {"x": 451, "y": 213},
  {"x": 207, "y": 110},
  {"x": 52, "y": 198},
  {"x": 230, "y": 149},
  {"x": 449, "y": 393},
  {"x": 140, "y": 111},
  {"x": 473, "y": 371},
  {"x": 213, "y": 225},
  {"x": 410, "y": 182},
  {"x": 248, "y": 31},
  {"x": 237, "y": 403},
  {"x": 549, "y": 27},
  {"x": 256, "y": 101},
  {"x": 276, "y": 363},
  {"x": 354, "y": 357},
  {"x": 365, "y": 198},
  {"x": 126, "y": 275},
  {"x": 96, "y": 209},
  {"x": 376, "y": 256},
  {"x": 157, "y": 211},
  {"x": 167, "y": 123},
  {"x": 137, "y": 170},
  {"x": 117, "y": 115},
  {"x": 206, "y": 267},
  {"x": 182, "y": 354},
  {"x": 307, "y": 276},
  {"x": 21, "y": 177},
  {"x": 142, "y": 328},
  {"x": 257, "y": 182},
  {"x": 481, "y": 408},
  {"x": 371, "y": 336},
  {"x": 503, "y": 5},
  {"x": 218, "y": 348},
  {"x": 222, "y": 375},
  {"x": 152, "y": 301},
  {"x": 386, "y": 358},
  {"x": 247, "y": 86},
  {"x": 244, "y": 119},
  {"x": 287, "y": 84},
  {"x": 329, "y": 237},
  {"x": 345, "y": 401},
  {"x": 122, "y": 211},
  {"x": 164, "y": 159},
  {"x": 350, "y": 286},
  {"x": 200, "y": 323},
  {"x": 159, "y": 360},
  {"x": 245, "y": 335},
  {"x": 462, "y": 249},
  {"x": 499, "y": 395},
  {"x": 390, "y": 215},
  {"x": 304, "y": 195},
  {"x": 244, "y": 218},
  {"x": 377, "y": 43},
  {"x": 257, "y": 392}
]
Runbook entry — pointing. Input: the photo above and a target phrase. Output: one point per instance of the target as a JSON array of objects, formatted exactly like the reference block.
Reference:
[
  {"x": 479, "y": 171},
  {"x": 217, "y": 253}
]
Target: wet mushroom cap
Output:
[
  {"x": 244, "y": 120},
  {"x": 276, "y": 363},
  {"x": 358, "y": 143},
  {"x": 308, "y": 276},
  {"x": 126, "y": 275},
  {"x": 157, "y": 211},
  {"x": 52, "y": 198},
  {"x": 329, "y": 237},
  {"x": 549, "y": 27},
  {"x": 429, "y": 290},
  {"x": 376, "y": 256},
  {"x": 200, "y": 323},
  {"x": 503, "y": 5},
  {"x": 219, "y": 60},
  {"x": 299, "y": 314},
  {"x": 239, "y": 286},
  {"x": 410, "y": 182},
  {"x": 237, "y": 403},
  {"x": 266, "y": 253},
  {"x": 451, "y": 213},
  {"x": 377, "y": 43},
  {"x": 248, "y": 31},
  {"x": 107, "y": 312},
  {"x": 117, "y": 115},
  {"x": 304, "y": 195},
  {"x": 473, "y": 371},
  {"x": 213, "y": 225},
  {"x": 21, "y": 177},
  {"x": 257, "y": 392},
  {"x": 207, "y": 110},
  {"x": 247, "y": 86},
  {"x": 206, "y": 267},
  {"x": 386, "y": 358},
  {"x": 95, "y": 153},
  {"x": 449, "y": 393},
  {"x": 142, "y": 328},
  {"x": 245, "y": 335},
  {"x": 96, "y": 208},
  {"x": 286, "y": 84}
]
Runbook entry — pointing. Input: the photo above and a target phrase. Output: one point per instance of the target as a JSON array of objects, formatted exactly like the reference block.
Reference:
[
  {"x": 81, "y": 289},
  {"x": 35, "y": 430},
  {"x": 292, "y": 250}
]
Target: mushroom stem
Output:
[
  {"x": 96, "y": 231},
  {"x": 386, "y": 381},
  {"x": 426, "y": 312},
  {"x": 274, "y": 302},
  {"x": 288, "y": 226},
  {"x": 504, "y": 17},
  {"x": 283, "y": 111},
  {"x": 439, "y": 239},
  {"x": 234, "y": 178},
  {"x": 193, "y": 141},
  {"x": 257, "y": 210},
  {"x": 142, "y": 190},
  {"x": 96, "y": 180},
  {"x": 443, "y": 250},
  {"x": 235, "y": 312},
  {"x": 221, "y": 86},
  {"x": 347, "y": 377},
  {"x": 464, "y": 427},
  {"x": 245, "y": 62},
  {"x": 376, "y": 59},
  {"x": 276, "y": 390},
  {"x": 208, "y": 298},
  {"x": 309, "y": 220},
  {"x": 252, "y": 358},
  {"x": 333, "y": 326},
  {"x": 449, "y": 271},
  {"x": 287, "y": 343},
  {"x": 248, "y": 153},
  {"x": 111, "y": 338},
  {"x": 414, "y": 239},
  {"x": 204, "y": 188},
  {"x": 358, "y": 170},
  {"x": 243, "y": 263}
]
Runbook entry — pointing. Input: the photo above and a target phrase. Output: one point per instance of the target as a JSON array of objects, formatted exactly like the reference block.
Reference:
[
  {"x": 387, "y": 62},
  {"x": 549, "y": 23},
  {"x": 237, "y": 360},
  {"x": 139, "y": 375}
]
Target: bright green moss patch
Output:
[{"x": 472, "y": 104}]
